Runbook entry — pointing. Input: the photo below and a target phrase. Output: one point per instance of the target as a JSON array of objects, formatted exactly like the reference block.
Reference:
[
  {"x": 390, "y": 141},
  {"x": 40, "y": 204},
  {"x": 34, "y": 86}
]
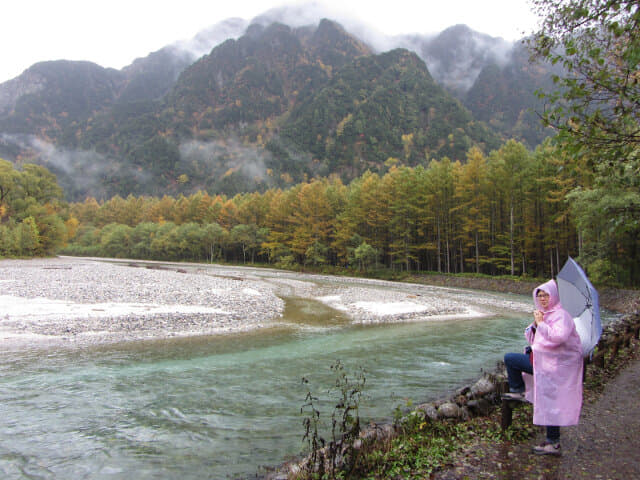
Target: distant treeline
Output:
[
  {"x": 504, "y": 213},
  {"x": 513, "y": 212}
]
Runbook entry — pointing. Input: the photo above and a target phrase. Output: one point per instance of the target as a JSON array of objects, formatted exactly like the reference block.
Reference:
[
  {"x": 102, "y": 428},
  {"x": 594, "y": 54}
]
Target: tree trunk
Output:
[
  {"x": 448, "y": 256},
  {"x": 579, "y": 243},
  {"x": 511, "y": 239},
  {"x": 477, "y": 254},
  {"x": 439, "y": 249}
]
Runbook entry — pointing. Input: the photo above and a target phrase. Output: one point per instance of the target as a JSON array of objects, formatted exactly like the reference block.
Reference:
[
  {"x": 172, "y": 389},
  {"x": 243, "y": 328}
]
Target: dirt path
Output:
[
  {"x": 604, "y": 446},
  {"x": 606, "y": 443}
]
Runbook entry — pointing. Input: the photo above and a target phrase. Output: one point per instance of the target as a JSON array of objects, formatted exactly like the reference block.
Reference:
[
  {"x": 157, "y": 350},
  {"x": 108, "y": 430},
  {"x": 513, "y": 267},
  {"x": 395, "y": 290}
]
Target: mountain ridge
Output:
[{"x": 251, "y": 90}]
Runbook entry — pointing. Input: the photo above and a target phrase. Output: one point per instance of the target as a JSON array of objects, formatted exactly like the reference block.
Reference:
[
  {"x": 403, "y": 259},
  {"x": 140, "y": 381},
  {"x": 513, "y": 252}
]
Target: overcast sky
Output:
[{"x": 113, "y": 33}]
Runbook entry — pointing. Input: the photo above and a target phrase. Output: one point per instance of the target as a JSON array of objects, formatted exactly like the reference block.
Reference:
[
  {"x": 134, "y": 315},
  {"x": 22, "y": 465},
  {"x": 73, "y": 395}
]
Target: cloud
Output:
[
  {"x": 210, "y": 37},
  {"x": 80, "y": 172},
  {"x": 454, "y": 56},
  {"x": 83, "y": 173},
  {"x": 219, "y": 158}
]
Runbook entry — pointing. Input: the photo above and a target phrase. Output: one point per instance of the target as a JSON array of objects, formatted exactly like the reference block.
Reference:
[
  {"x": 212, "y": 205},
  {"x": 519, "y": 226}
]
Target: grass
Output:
[{"x": 424, "y": 447}]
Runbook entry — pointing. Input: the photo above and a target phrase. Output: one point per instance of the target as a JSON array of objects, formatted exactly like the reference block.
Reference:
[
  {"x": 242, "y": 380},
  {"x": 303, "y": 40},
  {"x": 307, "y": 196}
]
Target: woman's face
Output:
[{"x": 543, "y": 299}]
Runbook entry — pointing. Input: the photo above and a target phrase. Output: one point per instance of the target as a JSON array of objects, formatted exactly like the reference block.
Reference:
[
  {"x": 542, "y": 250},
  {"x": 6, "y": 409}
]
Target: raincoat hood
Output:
[{"x": 554, "y": 299}]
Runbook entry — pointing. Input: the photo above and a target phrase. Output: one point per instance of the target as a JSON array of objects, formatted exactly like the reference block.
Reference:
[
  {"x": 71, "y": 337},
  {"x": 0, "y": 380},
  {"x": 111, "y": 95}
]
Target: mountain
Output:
[
  {"x": 51, "y": 95},
  {"x": 266, "y": 107},
  {"x": 260, "y": 75},
  {"x": 153, "y": 76},
  {"x": 382, "y": 106},
  {"x": 503, "y": 96},
  {"x": 457, "y": 55}
]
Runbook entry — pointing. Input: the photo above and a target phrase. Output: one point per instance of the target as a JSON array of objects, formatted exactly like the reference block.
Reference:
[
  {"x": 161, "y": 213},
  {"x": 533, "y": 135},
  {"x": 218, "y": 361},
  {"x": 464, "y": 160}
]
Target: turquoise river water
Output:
[{"x": 221, "y": 407}]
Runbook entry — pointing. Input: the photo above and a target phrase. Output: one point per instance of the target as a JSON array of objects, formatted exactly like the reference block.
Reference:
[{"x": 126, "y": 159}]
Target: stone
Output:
[
  {"x": 463, "y": 390},
  {"x": 481, "y": 406},
  {"x": 482, "y": 387},
  {"x": 429, "y": 410},
  {"x": 465, "y": 414},
  {"x": 449, "y": 410}
]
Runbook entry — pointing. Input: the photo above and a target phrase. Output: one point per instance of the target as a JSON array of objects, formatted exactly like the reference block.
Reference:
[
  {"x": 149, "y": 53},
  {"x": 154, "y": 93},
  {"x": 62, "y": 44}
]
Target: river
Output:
[{"x": 224, "y": 406}]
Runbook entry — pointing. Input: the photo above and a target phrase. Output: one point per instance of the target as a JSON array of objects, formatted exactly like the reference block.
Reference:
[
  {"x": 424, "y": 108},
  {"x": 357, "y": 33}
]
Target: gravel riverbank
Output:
[
  {"x": 87, "y": 301},
  {"x": 80, "y": 300}
]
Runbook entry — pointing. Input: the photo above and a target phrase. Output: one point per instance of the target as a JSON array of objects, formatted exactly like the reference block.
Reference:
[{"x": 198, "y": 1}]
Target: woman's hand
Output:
[{"x": 538, "y": 317}]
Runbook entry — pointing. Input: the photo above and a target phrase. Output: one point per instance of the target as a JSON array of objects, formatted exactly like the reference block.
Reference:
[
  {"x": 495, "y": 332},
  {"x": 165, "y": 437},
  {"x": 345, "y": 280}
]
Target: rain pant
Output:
[{"x": 555, "y": 388}]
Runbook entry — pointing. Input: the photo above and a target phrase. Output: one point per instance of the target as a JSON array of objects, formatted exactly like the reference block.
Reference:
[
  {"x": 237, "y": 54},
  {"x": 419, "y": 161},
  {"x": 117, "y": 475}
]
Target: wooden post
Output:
[
  {"x": 598, "y": 359},
  {"x": 614, "y": 348},
  {"x": 507, "y": 414}
]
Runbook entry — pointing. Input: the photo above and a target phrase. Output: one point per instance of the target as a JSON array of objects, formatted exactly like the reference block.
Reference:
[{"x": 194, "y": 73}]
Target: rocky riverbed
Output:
[
  {"x": 76, "y": 300},
  {"x": 67, "y": 299}
]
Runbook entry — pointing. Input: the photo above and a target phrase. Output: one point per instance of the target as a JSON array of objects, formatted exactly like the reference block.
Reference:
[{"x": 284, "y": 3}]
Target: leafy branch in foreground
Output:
[{"x": 596, "y": 107}]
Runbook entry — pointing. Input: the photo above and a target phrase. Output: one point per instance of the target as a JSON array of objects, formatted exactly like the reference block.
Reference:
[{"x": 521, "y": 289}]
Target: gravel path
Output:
[{"x": 606, "y": 443}]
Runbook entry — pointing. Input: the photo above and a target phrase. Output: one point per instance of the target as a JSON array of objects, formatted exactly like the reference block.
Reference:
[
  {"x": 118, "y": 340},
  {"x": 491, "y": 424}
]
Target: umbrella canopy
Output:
[{"x": 580, "y": 299}]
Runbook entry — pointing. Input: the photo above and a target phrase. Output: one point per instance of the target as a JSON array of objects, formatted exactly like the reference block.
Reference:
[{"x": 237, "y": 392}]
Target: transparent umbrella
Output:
[{"x": 580, "y": 299}]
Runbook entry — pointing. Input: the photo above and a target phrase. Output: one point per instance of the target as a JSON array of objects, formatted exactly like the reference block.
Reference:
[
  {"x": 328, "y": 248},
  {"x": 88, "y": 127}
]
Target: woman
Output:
[{"x": 556, "y": 389}]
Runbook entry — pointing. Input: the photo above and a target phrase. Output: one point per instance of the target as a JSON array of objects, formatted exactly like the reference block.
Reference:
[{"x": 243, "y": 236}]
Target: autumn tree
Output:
[
  {"x": 248, "y": 238},
  {"x": 441, "y": 190},
  {"x": 215, "y": 238},
  {"x": 375, "y": 206},
  {"x": 28, "y": 237},
  {"x": 140, "y": 239},
  {"x": 508, "y": 166},
  {"x": 472, "y": 204},
  {"x": 401, "y": 187},
  {"x": 30, "y": 210},
  {"x": 278, "y": 220},
  {"x": 115, "y": 240},
  {"x": 312, "y": 220},
  {"x": 8, "y": 178},
  {"x": 350, "y": 223}
]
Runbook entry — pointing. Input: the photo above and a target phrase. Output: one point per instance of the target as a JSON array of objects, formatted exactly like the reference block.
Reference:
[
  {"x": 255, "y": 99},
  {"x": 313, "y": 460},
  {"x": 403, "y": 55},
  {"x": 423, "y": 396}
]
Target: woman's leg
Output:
[
  {"x": 551, "y": 446},
  {"x": 517, "y": 363},
  {"x": 553, "y": 434}
]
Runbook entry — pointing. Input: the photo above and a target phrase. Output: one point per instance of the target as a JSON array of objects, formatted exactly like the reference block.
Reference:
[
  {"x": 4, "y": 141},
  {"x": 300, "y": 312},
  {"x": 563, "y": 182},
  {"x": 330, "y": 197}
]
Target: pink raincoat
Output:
[{"x": 555, "y": 389}]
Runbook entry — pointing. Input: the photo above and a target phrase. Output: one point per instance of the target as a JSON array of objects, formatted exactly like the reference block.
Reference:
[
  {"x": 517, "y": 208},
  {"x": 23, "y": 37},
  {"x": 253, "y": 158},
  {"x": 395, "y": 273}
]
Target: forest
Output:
[
  {"x": 505, "y": 213},
  {"x": 512, "y": 212}
]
